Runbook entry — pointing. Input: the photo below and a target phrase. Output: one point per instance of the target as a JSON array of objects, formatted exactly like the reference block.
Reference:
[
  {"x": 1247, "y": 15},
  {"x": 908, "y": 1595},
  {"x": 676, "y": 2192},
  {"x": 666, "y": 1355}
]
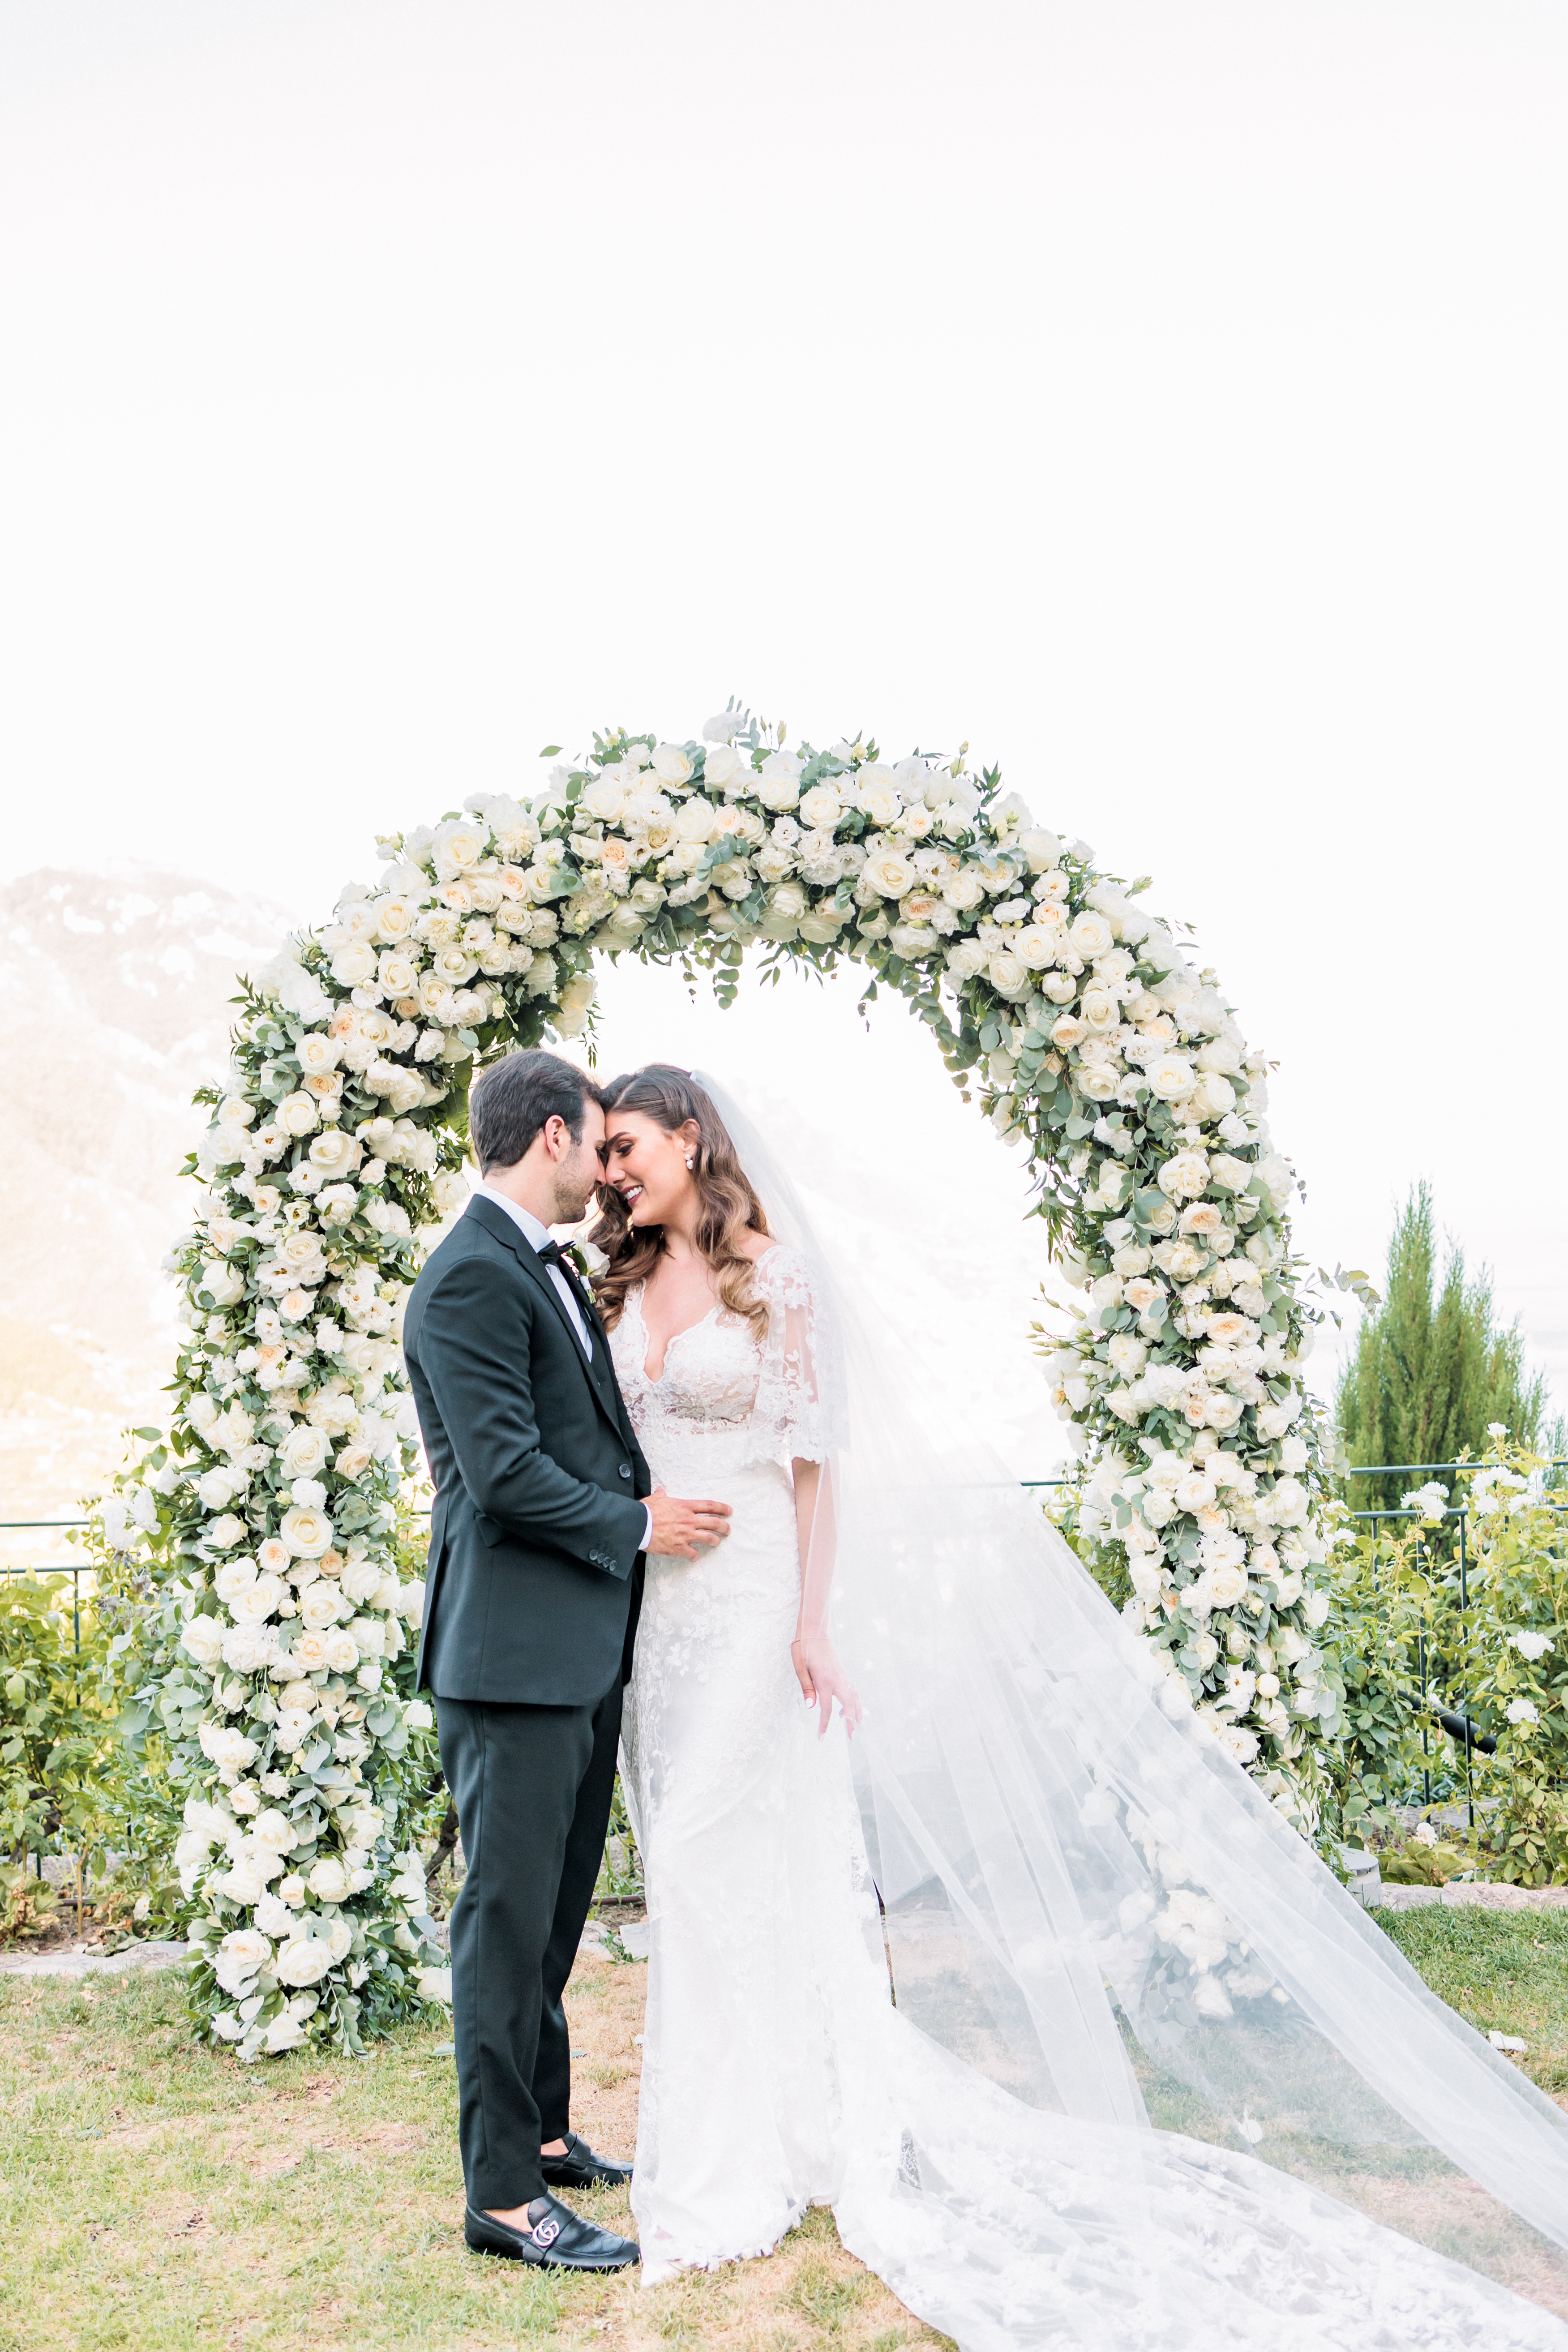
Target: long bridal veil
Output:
[{"x": 1092, "y": 1907}]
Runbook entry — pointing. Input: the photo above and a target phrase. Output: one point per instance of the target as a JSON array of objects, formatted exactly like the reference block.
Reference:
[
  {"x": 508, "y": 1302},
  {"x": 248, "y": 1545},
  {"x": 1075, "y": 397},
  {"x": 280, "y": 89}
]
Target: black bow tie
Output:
[{"x": 551, "y": 1254}]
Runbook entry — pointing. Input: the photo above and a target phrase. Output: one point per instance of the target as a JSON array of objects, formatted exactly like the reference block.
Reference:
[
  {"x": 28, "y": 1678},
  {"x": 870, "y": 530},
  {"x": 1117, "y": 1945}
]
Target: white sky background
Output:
[{"x": 1165, "y": 398}]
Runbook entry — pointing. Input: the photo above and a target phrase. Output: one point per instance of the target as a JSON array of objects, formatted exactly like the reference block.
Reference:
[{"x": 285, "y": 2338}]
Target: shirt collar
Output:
[{"x": 527, "y": 1224}]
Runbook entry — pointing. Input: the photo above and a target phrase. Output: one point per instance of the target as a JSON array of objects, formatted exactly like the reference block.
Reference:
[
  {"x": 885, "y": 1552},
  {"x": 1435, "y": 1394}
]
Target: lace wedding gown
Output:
[{"x": 777, "y": 2071}]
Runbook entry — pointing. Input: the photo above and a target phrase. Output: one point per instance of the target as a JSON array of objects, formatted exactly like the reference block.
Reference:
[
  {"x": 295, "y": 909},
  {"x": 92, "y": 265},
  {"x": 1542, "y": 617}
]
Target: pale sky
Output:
[{"x": 1166, "y": 399}]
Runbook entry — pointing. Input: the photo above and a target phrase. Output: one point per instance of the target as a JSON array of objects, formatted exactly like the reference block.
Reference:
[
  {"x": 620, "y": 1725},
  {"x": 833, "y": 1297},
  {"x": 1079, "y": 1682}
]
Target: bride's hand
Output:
[{"x": 822, "y": 1680}]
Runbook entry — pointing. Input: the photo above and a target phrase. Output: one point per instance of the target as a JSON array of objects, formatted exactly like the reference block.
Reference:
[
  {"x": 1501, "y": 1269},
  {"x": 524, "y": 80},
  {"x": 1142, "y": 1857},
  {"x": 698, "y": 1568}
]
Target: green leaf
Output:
[
  {"x": 551, "y": 752},
  {"x": 149, "y": 1436}
]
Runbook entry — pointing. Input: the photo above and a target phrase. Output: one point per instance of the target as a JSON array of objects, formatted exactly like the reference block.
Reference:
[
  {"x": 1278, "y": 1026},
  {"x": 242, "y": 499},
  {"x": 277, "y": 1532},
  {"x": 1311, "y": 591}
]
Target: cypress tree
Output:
[{"x": 1432, "y": 1368}]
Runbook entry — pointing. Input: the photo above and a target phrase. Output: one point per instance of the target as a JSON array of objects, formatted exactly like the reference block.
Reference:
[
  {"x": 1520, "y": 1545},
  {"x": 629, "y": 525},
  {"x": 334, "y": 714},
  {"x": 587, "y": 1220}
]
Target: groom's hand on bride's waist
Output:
[{"x": 680, "y": 1529}]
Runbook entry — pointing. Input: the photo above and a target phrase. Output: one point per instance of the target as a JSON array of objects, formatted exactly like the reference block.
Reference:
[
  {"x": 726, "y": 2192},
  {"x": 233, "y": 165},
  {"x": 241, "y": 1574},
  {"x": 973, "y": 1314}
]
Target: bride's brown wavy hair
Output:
[{"x": 730, "y": 1206}]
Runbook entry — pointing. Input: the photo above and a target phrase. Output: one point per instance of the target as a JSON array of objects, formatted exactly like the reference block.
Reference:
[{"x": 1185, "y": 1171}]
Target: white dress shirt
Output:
[{"x": 537, "y": 1235}]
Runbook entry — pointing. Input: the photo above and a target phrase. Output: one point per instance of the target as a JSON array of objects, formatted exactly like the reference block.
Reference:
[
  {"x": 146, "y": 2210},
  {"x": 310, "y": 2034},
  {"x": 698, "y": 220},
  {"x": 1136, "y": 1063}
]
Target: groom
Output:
[{"x": 537, "y": 1543}]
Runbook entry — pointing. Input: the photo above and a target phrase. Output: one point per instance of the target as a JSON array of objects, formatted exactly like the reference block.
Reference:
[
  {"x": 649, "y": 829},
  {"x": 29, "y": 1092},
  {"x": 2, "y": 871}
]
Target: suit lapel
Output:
[{"x": 596, "y": 1369}]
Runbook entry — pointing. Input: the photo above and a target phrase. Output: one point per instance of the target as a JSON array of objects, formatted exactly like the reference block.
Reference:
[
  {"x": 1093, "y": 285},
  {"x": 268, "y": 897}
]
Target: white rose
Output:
[
  {"x": 1170, "y": 1077},
  {"x": 1531, "y": 1645},
  {"x": 723, "y": 768},
  {"x": 240, "y": 1956},
  {"x": 1090, "y": 934},
  {"x": 307, "y": 1531},
  {"x": 342, "y": 1650},
  {"x": 317, "y": 1054},
  {"x": 1035, "y": 947},
  {"x": 963, "y": 890},
  {"x": 1041, "y": 848},
  {"x": 604, "y": 800},
  {"x": 1288, "y": 1504},
  {"x": 697, "y": 820},
  {"x": 303, "y": 1960},
  {"x": 1227, "y": 1583},
  {"x": 1128, "y": 1356},
  {"x": 297, "y": 1114},
  {"x": 578, "y": 994},
  {"x": 397, "y": 973},
  {"x": 820, "y": 808},
  {"x": 328, "y": 1880},
  {"x": 226, "y": 1533},
  {"x": 458, "y": 845},
  {"x": 671, "y": 765},
  {"x": 450, "y": 1189},
  {"x": 888, "y": 874},
  {"x": 319, "y": 1607},
  {"x": 215, "y": 1489},
  {"x": 879, "y": 802},
  {"x": 1008, "y": 976},
  {"x": 1280, "y": 1183},
  {"x": 395, "y": 916},
  {"x": 354, "y": 965},
  {"x": 257, "y": 1602},
  {"x": 203, "y": 1640},
  {"x": 335, "y": 1153},
  {"x": 778, "y": 784},
  {"x": 224, "y": 1284},
  {"x": 274, "y": 1831},
  {"x": 303, "y": 1451}
]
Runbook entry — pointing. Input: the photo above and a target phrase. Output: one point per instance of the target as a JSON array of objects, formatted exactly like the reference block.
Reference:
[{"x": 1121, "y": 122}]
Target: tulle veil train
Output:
[{"x": 1160, "y": 2079}]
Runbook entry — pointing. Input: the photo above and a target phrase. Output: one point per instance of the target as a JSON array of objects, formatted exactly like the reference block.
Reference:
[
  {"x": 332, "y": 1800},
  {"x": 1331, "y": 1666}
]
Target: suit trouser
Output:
[{"x": 532, "y": 1786}]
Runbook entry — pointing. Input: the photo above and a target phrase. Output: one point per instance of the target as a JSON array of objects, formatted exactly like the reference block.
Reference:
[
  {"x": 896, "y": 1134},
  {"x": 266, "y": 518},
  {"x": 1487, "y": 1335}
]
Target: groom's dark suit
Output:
[{"x": 532, "y": 1598}]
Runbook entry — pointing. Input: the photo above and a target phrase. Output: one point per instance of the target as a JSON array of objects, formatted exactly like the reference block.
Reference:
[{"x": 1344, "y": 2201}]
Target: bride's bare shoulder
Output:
[{"x": 754, "y": 1246}]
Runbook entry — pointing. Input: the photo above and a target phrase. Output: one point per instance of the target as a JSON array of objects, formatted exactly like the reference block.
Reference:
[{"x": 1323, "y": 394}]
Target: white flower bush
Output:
[{"x": 283, "y": 1682}]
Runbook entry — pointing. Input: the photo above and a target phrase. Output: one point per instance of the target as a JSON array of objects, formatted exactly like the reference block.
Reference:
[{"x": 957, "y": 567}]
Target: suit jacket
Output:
[{"x": 535, "y": 1568}]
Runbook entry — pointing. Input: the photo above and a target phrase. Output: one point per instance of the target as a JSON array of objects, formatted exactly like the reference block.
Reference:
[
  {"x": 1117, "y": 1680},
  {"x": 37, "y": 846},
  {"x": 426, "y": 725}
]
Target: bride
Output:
[{"x": 946, "y": 1911}]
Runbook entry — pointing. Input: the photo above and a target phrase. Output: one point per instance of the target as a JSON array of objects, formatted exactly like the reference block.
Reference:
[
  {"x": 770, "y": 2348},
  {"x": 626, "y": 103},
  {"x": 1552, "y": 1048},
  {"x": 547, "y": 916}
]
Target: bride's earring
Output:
[{"x": 691, "y": 1159}]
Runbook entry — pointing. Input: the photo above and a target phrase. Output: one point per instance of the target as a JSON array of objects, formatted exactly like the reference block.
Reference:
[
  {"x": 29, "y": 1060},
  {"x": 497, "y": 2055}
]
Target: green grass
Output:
[
  {"x": 160, "y": 2198},
  {"x": 1506, "y": 1971}
]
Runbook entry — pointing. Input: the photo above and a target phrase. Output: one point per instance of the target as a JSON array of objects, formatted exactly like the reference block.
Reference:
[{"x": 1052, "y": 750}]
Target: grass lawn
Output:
[
  {"x": 1507, "y": 1971},
  {"x": 155, "y": 2195}
]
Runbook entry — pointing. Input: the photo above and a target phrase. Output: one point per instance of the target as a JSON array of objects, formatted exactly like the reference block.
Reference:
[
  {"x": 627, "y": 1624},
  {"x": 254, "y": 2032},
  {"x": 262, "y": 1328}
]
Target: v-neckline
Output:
[{"x": 654, "y": 1379}]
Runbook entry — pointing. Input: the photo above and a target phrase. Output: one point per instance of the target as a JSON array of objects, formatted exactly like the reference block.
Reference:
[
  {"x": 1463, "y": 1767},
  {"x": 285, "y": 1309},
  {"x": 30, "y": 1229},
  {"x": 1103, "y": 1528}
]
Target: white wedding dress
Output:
[{"x": 777, "y": 2069}]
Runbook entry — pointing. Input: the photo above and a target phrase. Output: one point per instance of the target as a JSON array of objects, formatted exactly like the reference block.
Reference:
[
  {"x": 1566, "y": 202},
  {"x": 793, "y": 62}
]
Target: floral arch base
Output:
[{"x": 275, "y": 1620}]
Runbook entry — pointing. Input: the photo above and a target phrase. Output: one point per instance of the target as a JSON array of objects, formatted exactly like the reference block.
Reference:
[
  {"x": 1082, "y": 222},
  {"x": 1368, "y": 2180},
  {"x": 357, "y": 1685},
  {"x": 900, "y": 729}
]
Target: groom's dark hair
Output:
[{"x": 513, "y": 1099}]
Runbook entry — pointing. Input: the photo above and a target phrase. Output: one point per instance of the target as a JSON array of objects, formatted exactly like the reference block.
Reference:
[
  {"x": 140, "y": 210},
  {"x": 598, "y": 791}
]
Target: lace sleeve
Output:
[{"x": 799, "y": 1411}]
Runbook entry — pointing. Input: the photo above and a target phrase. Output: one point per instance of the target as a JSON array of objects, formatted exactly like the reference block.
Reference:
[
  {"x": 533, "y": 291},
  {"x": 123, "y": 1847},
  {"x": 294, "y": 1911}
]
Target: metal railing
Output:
[{"x": 1455, "y": 1724}]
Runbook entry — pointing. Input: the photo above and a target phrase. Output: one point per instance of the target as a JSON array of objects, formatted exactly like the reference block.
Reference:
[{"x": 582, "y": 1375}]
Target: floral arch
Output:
[{"x": 274, "y": 1629}]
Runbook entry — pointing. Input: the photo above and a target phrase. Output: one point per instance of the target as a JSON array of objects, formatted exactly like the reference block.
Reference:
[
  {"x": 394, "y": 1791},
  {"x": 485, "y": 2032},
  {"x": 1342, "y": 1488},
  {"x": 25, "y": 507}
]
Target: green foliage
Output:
[
  {"x": 1385, "y": 1602},
  {"x": 1432, "y": 1368},
  {"x": 1494, "y": 1644},
  {"x": 62, "y": 1769},
  {"x": 27, "y": 1906},
  {"x": 157, "y": 1703}
]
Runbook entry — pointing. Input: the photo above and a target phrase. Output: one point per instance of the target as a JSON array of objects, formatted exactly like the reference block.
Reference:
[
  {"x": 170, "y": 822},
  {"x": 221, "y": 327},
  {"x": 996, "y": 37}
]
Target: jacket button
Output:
[{"x": 625, "y": 1470}]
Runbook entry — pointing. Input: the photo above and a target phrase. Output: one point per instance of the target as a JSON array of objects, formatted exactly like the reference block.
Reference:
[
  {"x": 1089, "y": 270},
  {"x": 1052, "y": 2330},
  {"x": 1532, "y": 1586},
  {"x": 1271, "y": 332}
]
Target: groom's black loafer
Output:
[
  {"x": 581, "y": 2169},
  {"x": 557, "y": 2240}
]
